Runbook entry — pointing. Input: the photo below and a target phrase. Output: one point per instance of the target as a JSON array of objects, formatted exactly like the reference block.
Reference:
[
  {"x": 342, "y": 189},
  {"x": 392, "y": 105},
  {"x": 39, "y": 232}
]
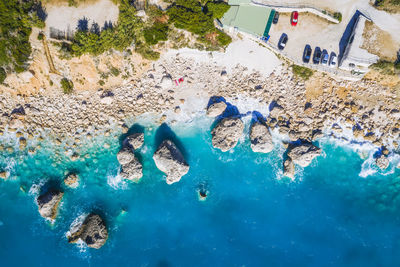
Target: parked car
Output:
[
  {"x": 282, "y": 41},
  {"x": 276, "y": 17},
  {"x": 307, "y": 54},
  {"x": 317, "y": 55},
  {"x": 333, "y": 60},
  {"x": 324, "y": 57},
  {"x": 294, "y": 18}
]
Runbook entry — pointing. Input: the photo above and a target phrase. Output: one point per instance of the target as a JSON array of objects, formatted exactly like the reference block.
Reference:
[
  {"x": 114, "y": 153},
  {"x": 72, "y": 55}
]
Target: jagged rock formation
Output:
[
  {"x": 72, "y": 180},
  {"x": 288, "y": 168},
  {"x": 226, "y": 134},
  {"x": 169, "y": 159},
  {"x": 92, "y": 231},
  {"x": 382, "y": 162},
  {"x": 216, "y": 109},
  {"x": 261, "y": 139},
  {"x": 303, "y": 154},
  {"x": 48, "y": 203},
  {"x": 135, "y": 141}
]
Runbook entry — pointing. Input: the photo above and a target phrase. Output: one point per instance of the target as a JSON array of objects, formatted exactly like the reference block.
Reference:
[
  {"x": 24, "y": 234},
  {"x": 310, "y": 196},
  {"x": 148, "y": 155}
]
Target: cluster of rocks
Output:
[
  {"x": 131, "y": 168},
  {"x": 228, "y": 131},
  {"x": 48, "y": 203}
]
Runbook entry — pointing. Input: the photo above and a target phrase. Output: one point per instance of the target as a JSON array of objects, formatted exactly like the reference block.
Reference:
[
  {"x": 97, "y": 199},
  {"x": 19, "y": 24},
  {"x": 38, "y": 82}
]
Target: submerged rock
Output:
[
  {"x": 226, "y": 134},
  {"x": 303, "y": 154},
  {"x": 382, "y": 162},
  {"x": 135, "y": 141},
  {"x": 216, "y": 109},
  {"x": 92, "y": 231},
  {"x": 169, "y": 159},
  {"x": 261, "y": 139},
  {"x": 72, "y": 180},
  {"x": 132, "y": 170},
  {"x": 48, "y": 203},
  {"x": 288, "y": 168}
]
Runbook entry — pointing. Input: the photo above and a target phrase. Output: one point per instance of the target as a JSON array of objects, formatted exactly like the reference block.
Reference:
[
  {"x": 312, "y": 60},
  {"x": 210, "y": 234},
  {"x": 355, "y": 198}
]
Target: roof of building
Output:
[{"x": 249, "y": 18}]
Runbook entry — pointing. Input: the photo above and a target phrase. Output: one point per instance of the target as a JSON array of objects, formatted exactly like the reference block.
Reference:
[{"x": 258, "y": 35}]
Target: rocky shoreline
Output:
[{"x": 301, "y": 110}]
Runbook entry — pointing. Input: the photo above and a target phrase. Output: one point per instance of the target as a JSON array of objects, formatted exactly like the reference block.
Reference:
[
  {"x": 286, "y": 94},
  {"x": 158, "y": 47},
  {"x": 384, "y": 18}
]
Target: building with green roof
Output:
[{"x": 246, "y": 17}]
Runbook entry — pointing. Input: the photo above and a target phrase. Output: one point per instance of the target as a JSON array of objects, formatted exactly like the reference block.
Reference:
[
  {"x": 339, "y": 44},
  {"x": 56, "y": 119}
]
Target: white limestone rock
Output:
[
  {"x": 227, "y": 133},
  {"x": 261, "y": 139}
]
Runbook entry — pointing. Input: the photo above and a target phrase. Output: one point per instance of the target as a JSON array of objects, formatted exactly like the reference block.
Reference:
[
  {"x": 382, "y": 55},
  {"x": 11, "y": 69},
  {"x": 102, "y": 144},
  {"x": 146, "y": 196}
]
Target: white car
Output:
[{"x": 333, "y": 60}]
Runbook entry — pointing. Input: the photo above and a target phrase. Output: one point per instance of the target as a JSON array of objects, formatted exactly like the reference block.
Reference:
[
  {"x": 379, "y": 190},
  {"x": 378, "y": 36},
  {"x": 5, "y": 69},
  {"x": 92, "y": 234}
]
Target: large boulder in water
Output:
[
  {"x": 261, "y": 139},
  {"x": 48, "y": 203},
  {"x": 303, "y": 154},
  {"x": 92, "y": 231},
  {"x": 169, "y": 159},
  {"x": 216, "y": 109},
  {"x": 133, "y": 170},
  {"x": 288, "y": 168},
  {"x": 135, "y": 141},
  {"x": 226, "y": 134},
  {"x": 125, "y": 156}
]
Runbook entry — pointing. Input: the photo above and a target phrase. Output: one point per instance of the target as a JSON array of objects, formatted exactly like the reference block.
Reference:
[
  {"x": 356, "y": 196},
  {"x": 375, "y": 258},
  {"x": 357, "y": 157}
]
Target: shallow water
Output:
[{"x": 330, "y": 216}]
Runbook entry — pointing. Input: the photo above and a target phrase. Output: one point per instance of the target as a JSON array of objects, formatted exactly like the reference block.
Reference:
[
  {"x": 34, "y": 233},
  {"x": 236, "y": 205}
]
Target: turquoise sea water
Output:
[{"x": 329, "y": 216}]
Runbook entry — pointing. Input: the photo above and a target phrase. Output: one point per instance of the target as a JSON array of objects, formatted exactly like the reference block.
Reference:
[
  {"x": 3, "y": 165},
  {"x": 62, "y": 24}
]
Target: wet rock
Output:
[
  {"x": 48, "y": 203},
  {"x": 382, "y": 162},
  {"x": 288, "y": 168},
  {"x": 72, "y": 180},
  {"x": 226, "y": 134},
  {"x": 133, "y": 170},
  {"x": 303, "y": 154},
  {"x": 92, "y": 231},
  {"x": 135, "y": 141},
  {"x": 169, "y": 159},
  {"x": 216, "y": 109},
  {"x": 3, "y": 175},
  {"x": 125, "y": 156},
  {"x": 261, "y": 139}
]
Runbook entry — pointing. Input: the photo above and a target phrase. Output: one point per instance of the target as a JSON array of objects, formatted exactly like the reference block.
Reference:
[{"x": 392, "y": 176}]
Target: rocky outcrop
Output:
[
  {"x": 48, "y": 203},
  {"x": 92, "y": 231},
  {"x": 125, "y": 156},
  {"x": 382, "y": 162},
  {"x": 134, "y": 141},
  {"x": 72, "y": 180},
  {"x": 216, "y": 109},
  {"x": 261, "y": 139},
  {"x": 169, "y": 159},
  {"x": 288, "y": 168},
  {"x": 132, "y": 170},
  {"x": 226, "y": 134},
  {"x": 303, "y": 154}
]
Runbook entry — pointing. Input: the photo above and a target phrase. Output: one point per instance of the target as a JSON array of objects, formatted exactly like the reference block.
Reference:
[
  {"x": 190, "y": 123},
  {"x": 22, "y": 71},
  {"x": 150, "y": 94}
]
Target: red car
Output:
[{"x": 294, "y": 18}]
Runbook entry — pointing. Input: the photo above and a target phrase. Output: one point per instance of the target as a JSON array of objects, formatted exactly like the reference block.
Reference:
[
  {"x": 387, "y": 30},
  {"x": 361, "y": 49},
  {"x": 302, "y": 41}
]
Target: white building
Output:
[{"x": 354, "y": 57}]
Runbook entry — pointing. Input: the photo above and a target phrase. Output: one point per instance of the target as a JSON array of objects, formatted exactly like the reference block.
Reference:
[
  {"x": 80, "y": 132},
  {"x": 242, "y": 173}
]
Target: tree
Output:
[
  {"x": 67, "y": 86},
  {"x": 217, "y": 9},
  {"x": 3, "y": 75}
]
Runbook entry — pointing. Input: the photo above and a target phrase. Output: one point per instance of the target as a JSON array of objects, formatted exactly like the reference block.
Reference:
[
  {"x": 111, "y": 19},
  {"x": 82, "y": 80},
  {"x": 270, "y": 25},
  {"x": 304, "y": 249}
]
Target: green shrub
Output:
[
  {"x": 157, "y": 32},
  {"x": 115, "y": 72},
  {"x": 302, "y": 72},
  {"x": 338, "y": 16},
  {"x": 16, "y": 21},
  {"x": 3, "y": 75},
  {"x": 386, "y": 67},
  {"x": 224, "y": 39},
  {"x": 217, "y": 9},
  {"x": 67, "y": 86},
  {"x": 40, "y": 36}
]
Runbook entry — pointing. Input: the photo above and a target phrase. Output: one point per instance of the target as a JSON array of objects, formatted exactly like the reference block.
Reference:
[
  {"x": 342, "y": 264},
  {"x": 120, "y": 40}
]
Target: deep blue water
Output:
[{"x": 329, "y": 216}]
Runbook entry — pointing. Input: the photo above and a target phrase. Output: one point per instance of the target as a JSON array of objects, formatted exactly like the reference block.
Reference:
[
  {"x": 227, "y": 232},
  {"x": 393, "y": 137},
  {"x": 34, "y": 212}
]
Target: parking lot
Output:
[{"x": 311, "y": 30}]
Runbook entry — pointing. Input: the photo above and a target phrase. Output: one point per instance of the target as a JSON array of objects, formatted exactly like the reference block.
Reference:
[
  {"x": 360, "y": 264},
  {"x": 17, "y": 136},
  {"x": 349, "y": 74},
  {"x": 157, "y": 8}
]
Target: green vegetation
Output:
[
  {"x": 388, "y": 5},
  {"x": 3, "y": 75},
  {"x": 17, "y": 17},
  {"x": 67, "y": 86},
  {"x": 195, "y": 18},
  {"x": 217, "y": 9},
  {"x": 302, "y": 72},
  {"x": 387, "y": 67},
  {"x": 338, "y": 16},
  {"x": 157, "y": 32}
]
